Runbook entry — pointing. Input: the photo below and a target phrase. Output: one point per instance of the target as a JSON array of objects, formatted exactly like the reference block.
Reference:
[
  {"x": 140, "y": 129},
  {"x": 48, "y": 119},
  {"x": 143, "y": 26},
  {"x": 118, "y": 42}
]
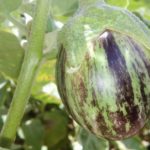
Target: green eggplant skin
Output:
[{"x": 103, "y": 71}]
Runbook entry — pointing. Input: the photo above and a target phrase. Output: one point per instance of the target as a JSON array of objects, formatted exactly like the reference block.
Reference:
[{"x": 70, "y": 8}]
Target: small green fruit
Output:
[{"x": 103, "y": 71}]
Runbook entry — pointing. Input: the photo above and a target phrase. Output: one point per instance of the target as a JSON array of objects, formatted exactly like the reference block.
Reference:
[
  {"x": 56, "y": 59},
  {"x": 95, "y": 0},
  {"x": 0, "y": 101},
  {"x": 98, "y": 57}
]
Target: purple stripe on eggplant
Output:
[
  {"x": 141, "y": 77},
  {"x": 139, "y": 50},
  {"x": 118, "y": 68}
]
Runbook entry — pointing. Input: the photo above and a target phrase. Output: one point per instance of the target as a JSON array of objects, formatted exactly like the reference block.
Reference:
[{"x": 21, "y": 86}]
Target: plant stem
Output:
[{"x": 27, "y": 75}]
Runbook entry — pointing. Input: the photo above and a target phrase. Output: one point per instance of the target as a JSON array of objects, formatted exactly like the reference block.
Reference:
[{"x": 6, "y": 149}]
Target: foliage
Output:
[{"x": 46, "y": 123}]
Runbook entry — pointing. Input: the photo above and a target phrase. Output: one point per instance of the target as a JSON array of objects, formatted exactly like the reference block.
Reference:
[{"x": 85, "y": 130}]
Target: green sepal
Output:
[{"x": 89, "y": 22}]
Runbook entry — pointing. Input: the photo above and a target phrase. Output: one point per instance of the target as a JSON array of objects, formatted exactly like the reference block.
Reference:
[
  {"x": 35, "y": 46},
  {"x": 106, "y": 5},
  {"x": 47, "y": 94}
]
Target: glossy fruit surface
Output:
[{"x": 103, "y": 71}]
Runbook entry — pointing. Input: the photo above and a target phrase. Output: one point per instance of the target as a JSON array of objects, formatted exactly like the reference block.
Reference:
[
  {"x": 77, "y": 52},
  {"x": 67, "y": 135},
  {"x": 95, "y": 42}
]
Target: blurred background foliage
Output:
[{"x": 46, "y": 125}]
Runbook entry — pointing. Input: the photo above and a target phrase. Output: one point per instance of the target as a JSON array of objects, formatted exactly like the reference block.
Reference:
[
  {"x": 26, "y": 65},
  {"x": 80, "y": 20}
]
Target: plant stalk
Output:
[{"x": 27, "y": 75}]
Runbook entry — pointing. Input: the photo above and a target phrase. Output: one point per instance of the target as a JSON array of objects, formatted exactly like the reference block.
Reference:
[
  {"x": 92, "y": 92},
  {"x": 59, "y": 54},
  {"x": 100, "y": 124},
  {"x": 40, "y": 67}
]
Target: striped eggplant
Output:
[{"x": 103, "y": 70}]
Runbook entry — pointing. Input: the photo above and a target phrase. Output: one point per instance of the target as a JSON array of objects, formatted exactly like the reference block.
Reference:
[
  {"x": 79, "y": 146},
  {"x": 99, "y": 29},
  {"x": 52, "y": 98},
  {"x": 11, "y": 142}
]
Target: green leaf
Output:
[
  {"x": 56, "y": 127},
  {"x": 28, "y": 7},
  {"x": 140, "y": 6},
  {"x": 9, "y": 5},
  {"x": 11, "y": 55},
  {"x": 91, "y": 142},
  {"x": 2, "y": 18},
  {"x": 17, "y": 147},
  {"x": 3, "y": 91},
  {"x": 44, "y": 88},
  {"x": 50, "y": 24},
  {"x": 34, "y": 133},
  {"x": 51, "y": 48},
  {"x": 134, "y": 143},
  {"x": 63, "y": 8},
  {"x": 1, "y": 123},
  {"x": 3, "y": 148}
]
